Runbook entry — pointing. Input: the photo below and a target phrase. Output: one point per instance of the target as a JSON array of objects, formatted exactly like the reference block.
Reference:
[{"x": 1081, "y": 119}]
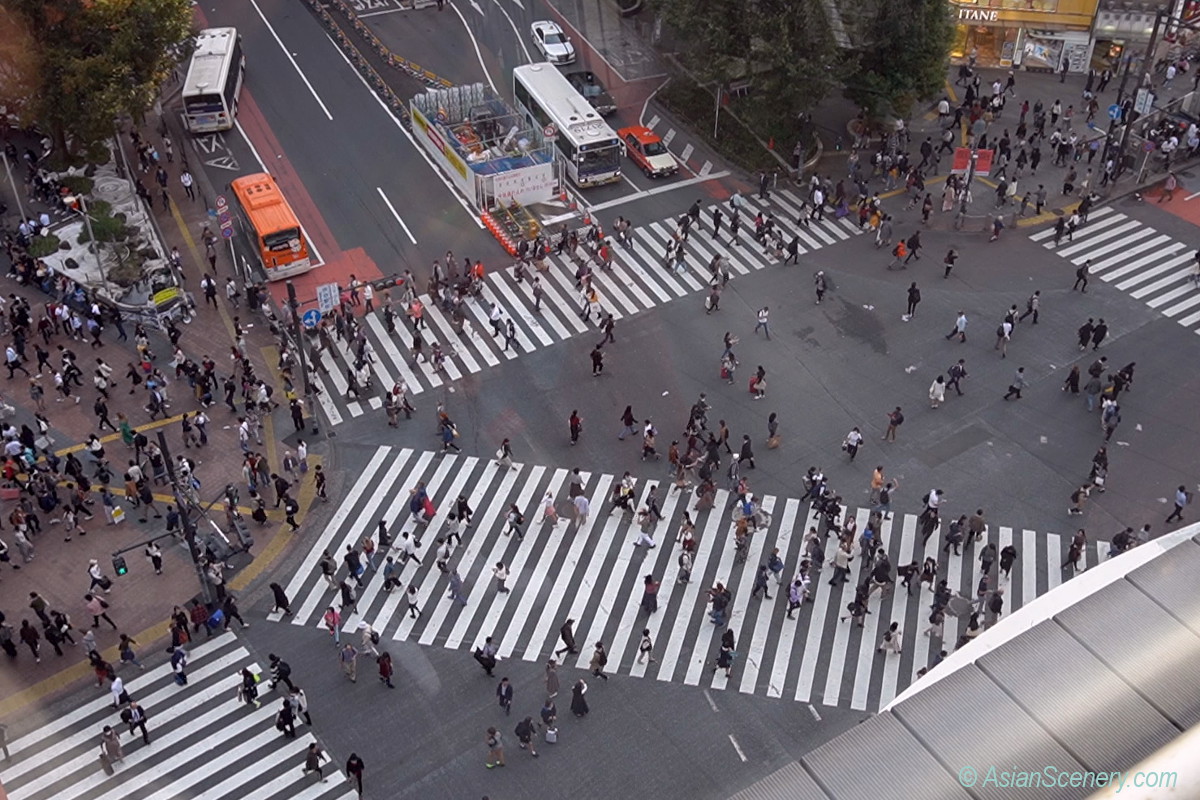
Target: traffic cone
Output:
[{"x": 771, "y": 143}]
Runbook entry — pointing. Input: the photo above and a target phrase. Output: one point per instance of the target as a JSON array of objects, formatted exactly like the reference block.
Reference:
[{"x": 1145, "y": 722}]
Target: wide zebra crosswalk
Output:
[
  {"x": 593, "y": 574},
  {"x": 639, "y": 280},
  {"x": 1137, "y": 259},
  {"x": 204, "y": 742}
]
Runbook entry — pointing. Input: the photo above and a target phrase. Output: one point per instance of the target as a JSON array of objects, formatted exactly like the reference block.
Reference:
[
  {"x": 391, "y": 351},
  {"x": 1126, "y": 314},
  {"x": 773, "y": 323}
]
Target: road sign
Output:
[
  {"x": 1144, "y": 103},
  {"x": 327, "y": 297},
  {"x": 224, "y": 216},
  {"x": 550, "y": 131},
  {"x": 310, "y": 318},
  {"x": 1114, "y": 111}
]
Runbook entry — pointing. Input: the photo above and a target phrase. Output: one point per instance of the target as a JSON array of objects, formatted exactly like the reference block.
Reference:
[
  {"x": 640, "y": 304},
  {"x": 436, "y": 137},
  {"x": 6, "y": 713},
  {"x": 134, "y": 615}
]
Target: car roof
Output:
[
  {"x": 547, "y": 26},
  {"x": 639, "y": 132}
]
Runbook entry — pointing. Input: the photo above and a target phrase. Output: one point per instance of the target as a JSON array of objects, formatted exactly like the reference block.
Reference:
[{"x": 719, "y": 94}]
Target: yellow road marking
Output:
[
  {"x": 62, "y": 679},
  {"x": 267, "y": 555},
  {"x": 112, "y": 437}
]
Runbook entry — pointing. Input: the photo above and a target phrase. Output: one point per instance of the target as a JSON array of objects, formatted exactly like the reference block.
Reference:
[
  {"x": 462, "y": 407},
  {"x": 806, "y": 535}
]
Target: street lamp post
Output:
[{"x": 13, "y": 183}]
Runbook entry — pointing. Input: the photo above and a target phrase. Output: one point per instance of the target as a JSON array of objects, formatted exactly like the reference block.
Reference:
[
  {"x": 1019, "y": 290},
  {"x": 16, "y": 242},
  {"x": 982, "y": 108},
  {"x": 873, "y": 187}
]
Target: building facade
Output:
[{"x": 1029, "y": 34}]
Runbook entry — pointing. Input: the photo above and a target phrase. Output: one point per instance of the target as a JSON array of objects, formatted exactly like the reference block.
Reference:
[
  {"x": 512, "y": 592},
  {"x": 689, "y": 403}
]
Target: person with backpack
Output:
[
  {"x": 525, "y": 731},
  {"x": 515, "y": 520},
  {"x": 179, "y": 661}
]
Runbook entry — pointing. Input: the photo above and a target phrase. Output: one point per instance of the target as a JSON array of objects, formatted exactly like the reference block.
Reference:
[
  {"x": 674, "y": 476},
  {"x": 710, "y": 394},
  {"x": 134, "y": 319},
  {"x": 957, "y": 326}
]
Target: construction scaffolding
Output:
[{"x": 484, "y": 149}]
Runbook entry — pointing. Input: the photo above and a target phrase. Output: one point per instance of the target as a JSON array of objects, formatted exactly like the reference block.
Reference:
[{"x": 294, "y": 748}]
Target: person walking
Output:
[
  {"x": 960, "y": 328},
  {"x": 914, "y": 298},
  {"x": 599, "y": 659},
  {"x": 579, "y": 703},
  {"x": 355, "y": 765},
  {"x": 1182, "y": 498},
  {"x": 348, "y": 658},
  {"x": 98, "y": 608},
  {"x": 312, "y": 761},
  {"x": 1081, "y": 276},
  {"x": 895, "y": 420},
  {"x": 525, "y": 731},
  {"x": 575, "y": 424},
  {"x": 646, "y": 647},
  {"x": 500, "y": 572},
  {"x": 285, "y": 719},
  {"x": 552, "y": 684},
  {"x": 1018, "y": 383},
  {"x": 567, "y": 634},
  {"x": 892, "y": 641},
  {"x": 763, "y": 316},
  {"x": 504, "y": 694},
  {"x": 937, "y": 391},
  {"x": 495, "y": 745},
  {"x": 1032, "y": 305}
]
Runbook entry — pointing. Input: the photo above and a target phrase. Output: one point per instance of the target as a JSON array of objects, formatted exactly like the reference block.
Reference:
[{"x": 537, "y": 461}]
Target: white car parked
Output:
[{"x": 553, "y": 43}]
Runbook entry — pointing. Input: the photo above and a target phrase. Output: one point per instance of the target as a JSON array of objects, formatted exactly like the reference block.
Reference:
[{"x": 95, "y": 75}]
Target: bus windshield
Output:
[
  {"x": 600, "y": 158},
  {"x": 281, "y": 240}
]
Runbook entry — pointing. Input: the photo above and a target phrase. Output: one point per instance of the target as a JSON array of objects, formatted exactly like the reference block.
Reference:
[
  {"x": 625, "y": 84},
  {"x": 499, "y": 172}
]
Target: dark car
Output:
[{"x": 588, "y": 85}]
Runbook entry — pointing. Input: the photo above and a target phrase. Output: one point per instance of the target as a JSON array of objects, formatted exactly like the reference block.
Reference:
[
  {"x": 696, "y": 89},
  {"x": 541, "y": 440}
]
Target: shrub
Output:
[
  {"x": 43, "y": 246},
  {"x": 695, "y": 107}
]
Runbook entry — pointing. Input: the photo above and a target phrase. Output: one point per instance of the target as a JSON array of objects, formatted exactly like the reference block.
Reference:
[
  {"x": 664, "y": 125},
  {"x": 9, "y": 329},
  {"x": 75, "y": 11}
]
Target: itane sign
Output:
[{"x": 978, "y": 14}]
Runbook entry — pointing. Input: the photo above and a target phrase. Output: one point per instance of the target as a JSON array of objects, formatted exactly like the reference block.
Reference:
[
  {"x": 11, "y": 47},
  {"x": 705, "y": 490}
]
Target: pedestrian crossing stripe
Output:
[
  {"x": 639, "y": 280},
  {"x": 58, "y": 760},
  {"x": 593, "y": 574},
  {"x": 1138, "y": 260}
]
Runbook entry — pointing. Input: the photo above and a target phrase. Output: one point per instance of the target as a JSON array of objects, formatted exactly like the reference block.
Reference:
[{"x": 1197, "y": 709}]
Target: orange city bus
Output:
[{"x": 270, "y": 222}]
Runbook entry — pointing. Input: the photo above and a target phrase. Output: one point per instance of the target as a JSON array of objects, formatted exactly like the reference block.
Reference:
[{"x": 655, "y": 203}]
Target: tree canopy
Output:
[
  {"x": 74, "y": 66},
  {"x": 784, "y": 47},
  {"x": 902, "y": 50}
]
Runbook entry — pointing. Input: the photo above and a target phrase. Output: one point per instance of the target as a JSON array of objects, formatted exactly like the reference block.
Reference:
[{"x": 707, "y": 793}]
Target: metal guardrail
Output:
[
  {"x": 360, "y": 62},
  {"x": 410, "y": 68}
]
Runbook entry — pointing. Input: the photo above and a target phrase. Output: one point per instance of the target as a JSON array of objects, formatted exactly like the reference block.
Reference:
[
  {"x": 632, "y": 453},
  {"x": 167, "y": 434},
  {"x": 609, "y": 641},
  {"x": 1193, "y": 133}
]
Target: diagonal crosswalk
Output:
[
  {"x": 639, "y": 280},
  {"x": 60, "y": 759},
  {"x": 593, "y": 574},
  {"x": 1148, "y": 266}
]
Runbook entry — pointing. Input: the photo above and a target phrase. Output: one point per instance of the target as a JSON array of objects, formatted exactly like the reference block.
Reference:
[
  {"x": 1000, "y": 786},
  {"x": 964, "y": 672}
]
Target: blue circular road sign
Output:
[
  {"x": 311, "y": 318},
  {"x": 1114, "y": 111}
]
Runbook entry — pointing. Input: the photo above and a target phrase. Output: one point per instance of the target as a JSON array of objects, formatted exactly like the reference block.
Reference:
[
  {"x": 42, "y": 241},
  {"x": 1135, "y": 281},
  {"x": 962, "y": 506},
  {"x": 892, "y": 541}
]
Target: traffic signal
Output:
[{"x": 119, "y": 565}]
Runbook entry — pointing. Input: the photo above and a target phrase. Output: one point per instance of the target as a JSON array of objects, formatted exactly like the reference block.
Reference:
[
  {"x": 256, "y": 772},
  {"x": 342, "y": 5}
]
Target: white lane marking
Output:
[
  {"x": 738, "y": 748},
  {"x": 385, "y": 11},
  {"x": 706, "y": 168},
  {"x": 453, "y": 190},
  {"x": 299, "y": 71},
  {"x": 687, "y": 152},
  {"x": 474, "y": 43},
  {"x": 668, "y": 137},
  {"x": 625, "y": 178},
  {"x": 711, "y": 703},
  {"x": 813, "y": 710},
  {"x": 513, "y": 25},
  {"x": 395, "y": 214},
  {"x": 712, "y": 176},
  {"x": 653, "y": 121}
]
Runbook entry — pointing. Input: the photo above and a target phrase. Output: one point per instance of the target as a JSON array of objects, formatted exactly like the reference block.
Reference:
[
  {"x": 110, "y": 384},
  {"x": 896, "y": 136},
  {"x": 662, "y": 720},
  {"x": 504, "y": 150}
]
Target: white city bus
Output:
[
  {"x": 214, "y": 80},
  {"x": 588, "y": 146}
]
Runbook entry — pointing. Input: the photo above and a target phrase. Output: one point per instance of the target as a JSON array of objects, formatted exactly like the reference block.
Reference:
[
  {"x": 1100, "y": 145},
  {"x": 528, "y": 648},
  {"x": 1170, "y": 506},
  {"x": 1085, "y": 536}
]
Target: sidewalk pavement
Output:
[
  {"x": 141, "y": 600},
  {"x": 833, "y": 116}
]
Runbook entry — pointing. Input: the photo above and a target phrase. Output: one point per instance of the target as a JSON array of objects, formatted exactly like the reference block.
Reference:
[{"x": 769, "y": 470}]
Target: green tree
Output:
[
  {"x": 783, "y": 47},
  {"x": 93, "y": 61},
  {"x": 902, "y": 49}
]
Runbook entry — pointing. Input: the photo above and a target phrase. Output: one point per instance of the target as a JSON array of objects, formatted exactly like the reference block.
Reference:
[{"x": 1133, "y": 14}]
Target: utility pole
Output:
[
  {"x": 185, "y": 515},
  {"x": 297, "y": 334}
]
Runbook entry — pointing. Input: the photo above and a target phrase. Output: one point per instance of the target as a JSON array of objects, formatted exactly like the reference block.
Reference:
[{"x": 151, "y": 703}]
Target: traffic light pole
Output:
[{"x": 189, "y": 527}]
